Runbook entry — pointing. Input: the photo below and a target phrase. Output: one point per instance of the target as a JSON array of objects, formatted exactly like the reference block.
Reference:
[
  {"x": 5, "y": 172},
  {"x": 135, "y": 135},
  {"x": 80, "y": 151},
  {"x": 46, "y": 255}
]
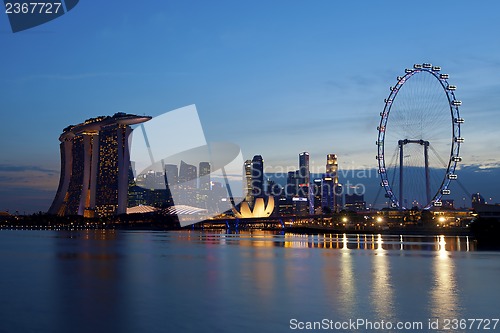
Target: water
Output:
[{"x": 189, "y": 281}]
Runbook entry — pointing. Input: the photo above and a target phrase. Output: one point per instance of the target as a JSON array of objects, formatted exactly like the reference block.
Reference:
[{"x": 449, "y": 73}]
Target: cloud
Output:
[
  {"x": 27, "y": 177},
  {"x": 24, "y": 168}
]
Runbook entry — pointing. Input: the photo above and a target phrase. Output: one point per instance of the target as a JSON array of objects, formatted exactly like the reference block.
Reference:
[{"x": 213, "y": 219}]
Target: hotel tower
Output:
[{"x": 95, "y": 164}]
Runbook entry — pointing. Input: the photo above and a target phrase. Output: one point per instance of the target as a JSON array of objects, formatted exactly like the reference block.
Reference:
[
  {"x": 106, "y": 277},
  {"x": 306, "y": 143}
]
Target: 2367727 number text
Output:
[{"x": 32, "y": 7}]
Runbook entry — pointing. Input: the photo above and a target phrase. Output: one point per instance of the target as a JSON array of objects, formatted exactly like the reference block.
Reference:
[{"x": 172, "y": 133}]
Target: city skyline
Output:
[{"x": 282, "y": 78}]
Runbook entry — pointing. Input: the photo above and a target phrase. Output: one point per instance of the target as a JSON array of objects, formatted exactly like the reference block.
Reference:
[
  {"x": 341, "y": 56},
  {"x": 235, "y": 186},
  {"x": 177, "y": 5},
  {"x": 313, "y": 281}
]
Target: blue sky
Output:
[{"x": 274, "y": 77}]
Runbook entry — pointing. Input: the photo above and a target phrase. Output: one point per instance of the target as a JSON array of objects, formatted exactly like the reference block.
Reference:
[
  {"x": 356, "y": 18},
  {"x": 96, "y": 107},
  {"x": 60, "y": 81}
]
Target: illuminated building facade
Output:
[
  {"x": 292, "y": 183},
  {"x": 204, "y": 170},
  {"x": 316, "y": 190},
  {"x": 327, "y": 194},
  {"x": 304, "y": 174},
  {"x": 257, "y": 176},
  {"x": 331, "y": 189},
  {"x": 248, "y": 180},
  {"x": 95, "y": 165},
  {"x": 305, "y": 190},
  {"x": 332, "y": 167}
]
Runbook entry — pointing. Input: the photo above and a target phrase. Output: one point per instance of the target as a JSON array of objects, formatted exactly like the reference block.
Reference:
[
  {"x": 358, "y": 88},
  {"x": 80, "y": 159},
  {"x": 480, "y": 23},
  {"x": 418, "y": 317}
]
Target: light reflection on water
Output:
[
  {"x": 194, "y": 281},
  {"x": 444, "y": 291},
  {"x": 337, "y": 241},
  {"x": 382, "y": 293}
]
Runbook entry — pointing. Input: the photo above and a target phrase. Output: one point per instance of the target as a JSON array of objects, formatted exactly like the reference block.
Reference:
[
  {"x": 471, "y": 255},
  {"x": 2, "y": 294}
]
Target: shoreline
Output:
[{"x": 449, "y": 231}]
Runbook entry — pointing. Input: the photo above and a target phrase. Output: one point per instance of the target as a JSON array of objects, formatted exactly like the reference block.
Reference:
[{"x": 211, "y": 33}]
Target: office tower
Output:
[
  {"x": 187, "y": 176},
  {"x": 304, "y": 169},
  {"x": 333, "y": 184},
  {"x": 273, "y": 188},
  {"x": 327, "y": 193},
  {"x": 257, "y": 176},
  {"x": 305, "y": 181},
  {"x": 95, "y": 165},
  {"x": 204, "y": 176},
  {"x": 187, "y": 185},
  {"x": 171, "y": 174},
  {"x": 247, "y": 185},
  {"x": 292, "y": 183},
  {"x": 339, "y": 201},
  {"x": 332, "y": 166},
  {"x": 316, "y": 190},
  {"x": 171, "y": 182}
]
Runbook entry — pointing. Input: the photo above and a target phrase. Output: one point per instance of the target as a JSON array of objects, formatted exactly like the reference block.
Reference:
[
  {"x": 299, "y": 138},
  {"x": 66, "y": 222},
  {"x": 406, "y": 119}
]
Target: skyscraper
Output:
[
  {"x": 316, "y": 190},
  {"x": 332, "y": 167},
  {"x": 95, "y": 165},
  {"x": 171, "y": 174},
  {"x": 332, "y": 198},
  {"x": 187, "y": 176},
  {"x": 292, "y": 183},
  {"x": 204, "y": 176},
  {"x": 247, "y": 185},
  {"x": 257, "y": 176},
  {"x": 171, "y": 181},
  {"x": 304, "y": 169},
  {"x": 187, "y": 185},
  {"x": 327, "y": 194},
  {"x": 304, "y": 180}
]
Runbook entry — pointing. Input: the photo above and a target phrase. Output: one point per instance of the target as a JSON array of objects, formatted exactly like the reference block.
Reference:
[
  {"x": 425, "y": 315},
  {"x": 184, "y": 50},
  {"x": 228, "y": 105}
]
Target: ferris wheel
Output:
[{"x": 419, "y": 138}]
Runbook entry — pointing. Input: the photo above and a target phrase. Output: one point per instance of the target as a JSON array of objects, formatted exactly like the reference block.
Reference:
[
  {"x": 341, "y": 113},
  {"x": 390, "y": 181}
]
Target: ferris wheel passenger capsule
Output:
[
  {"x": 459, "y": 140},
  {"x": 456, "y": 103},
  {"x": 436, "y": 68},
  {"x": 457, "y": 159},
  {"x": 451, "y": 87},
  {"x": 438, "y": 203},
  {"x": 444, "y": 76},
  {"x": 452, "y": 176},
  {"x": 445, "y": 192},
  {"x": 408, "y": 70},
  {"x": 459, "y": 120},
  {"x": 417, "y": 66},
  {"x": 426, "y": 65}
]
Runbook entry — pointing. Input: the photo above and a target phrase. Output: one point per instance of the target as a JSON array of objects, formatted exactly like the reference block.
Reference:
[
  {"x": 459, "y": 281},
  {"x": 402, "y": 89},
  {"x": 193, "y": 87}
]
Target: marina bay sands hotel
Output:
[{"x": 95, "y": 163}]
